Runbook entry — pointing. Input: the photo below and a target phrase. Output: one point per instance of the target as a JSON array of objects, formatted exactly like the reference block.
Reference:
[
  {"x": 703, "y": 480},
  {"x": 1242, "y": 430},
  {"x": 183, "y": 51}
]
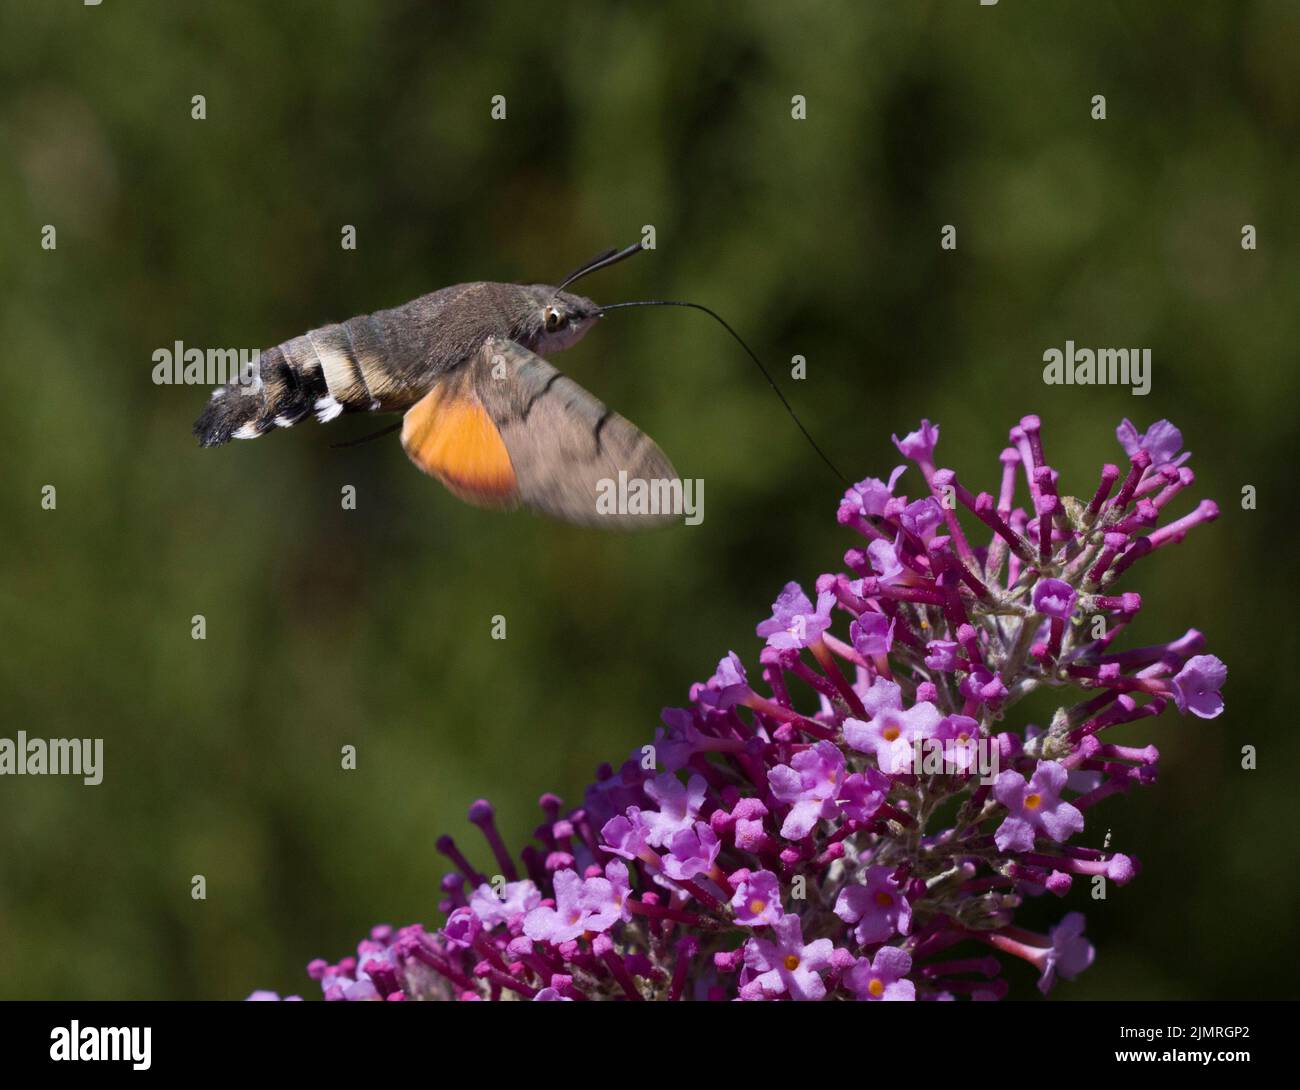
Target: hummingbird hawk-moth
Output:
[{"x": 483, "y": 411}]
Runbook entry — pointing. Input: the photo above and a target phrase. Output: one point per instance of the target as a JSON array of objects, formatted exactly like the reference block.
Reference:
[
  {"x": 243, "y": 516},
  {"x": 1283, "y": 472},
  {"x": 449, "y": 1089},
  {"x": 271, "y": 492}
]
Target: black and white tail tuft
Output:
[{"x": 318, "y": 372}]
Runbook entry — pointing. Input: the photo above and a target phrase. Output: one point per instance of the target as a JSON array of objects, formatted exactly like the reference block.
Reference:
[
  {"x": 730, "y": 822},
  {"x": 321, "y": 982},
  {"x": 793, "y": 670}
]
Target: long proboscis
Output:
[{"x": 748, "y": 351}]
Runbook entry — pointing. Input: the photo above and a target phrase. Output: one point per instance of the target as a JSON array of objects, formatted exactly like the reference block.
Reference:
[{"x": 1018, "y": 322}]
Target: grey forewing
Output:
[{"x": 563, "y": 441}]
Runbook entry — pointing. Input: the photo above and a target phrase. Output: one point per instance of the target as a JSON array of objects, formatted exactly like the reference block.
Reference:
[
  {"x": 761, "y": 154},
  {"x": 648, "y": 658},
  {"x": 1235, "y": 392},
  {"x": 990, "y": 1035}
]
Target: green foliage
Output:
[{"x": 820, "y": 238}]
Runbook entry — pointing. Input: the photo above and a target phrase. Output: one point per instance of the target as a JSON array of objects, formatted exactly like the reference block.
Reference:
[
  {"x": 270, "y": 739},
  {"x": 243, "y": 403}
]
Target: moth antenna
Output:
[
  {"x": 600, "y": 261},
  {"x": 749, "y": 351}
]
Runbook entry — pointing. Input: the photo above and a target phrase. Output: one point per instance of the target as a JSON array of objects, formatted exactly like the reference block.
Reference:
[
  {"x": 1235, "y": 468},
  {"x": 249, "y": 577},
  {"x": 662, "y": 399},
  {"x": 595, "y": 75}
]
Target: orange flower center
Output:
[
  {"x": 883, "y": 899},
  {"x": 792, "y": 962},
  {"x": 1033, "y": 802},
  {"x": 876, "y": 987},
  {"x": 891, "y": 733},
  {"x": 756, "y": 906}
]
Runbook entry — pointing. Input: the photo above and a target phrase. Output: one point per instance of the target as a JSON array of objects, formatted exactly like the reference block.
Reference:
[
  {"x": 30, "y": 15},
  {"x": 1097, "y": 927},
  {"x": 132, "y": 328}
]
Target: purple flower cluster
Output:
[{"x": 837, "y": 829}]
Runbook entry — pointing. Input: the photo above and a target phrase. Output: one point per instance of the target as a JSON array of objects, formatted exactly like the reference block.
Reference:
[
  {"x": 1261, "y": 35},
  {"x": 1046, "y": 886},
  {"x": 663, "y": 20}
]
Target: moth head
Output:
[{"x": 555, "y": 319}]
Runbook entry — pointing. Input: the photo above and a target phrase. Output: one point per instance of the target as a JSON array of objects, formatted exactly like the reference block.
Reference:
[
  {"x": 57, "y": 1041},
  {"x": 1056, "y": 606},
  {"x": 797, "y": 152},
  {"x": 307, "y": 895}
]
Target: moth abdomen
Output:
[
  {"x": 385, "y": 379},
  {"x": 327, "y": 371}
]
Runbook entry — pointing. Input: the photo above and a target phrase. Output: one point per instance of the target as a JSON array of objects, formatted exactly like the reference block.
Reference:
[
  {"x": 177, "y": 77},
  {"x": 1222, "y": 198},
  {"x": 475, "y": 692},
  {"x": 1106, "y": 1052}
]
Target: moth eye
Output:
[{"x": 554, "y": 319}]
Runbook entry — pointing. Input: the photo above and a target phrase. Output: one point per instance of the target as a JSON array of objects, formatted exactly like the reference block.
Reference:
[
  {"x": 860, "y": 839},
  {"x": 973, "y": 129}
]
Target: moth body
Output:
[
  {"x": 387, "y": 361},
  {"x": 485, "y": 413}
]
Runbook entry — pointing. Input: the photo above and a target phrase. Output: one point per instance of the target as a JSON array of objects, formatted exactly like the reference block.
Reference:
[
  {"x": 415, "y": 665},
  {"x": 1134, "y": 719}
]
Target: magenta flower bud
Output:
[
  {"x": 941, "y": 655},
  {"x": 1196, "y": 686},
  {"x": 1121, "y": 870},
  {"x": 1059, "y": 883},
  {"x": 1055, "y": 598},
  {"x": 872, "y": 634},
  {"x": 919, "y": 445}
]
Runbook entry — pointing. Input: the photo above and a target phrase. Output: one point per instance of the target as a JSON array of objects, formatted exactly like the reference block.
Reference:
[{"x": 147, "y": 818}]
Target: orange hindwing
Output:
[{"x": 449, "y": 435}]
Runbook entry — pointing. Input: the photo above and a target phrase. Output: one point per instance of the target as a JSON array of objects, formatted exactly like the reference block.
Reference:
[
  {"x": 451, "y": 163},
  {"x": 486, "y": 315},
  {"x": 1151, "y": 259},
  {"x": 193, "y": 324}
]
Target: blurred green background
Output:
[{"x": 819, "y": 238}]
